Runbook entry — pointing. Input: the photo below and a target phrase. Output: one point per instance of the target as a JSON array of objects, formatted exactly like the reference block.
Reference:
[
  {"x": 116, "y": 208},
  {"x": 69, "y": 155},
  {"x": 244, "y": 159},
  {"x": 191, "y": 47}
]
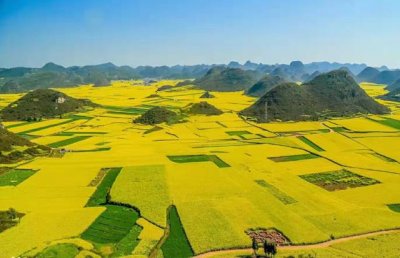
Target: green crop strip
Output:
[
  {"x": 310, "y": 143},
  {"x": 176, "y": 245},
  {"x": 99, "y": 197},
  {"x": 112, "y": 225},
  {"x": 199, "y": 158},
  {"x": 394, "y": 207},
  {"x": 390, "y": 122},
  {"x": 294, "y": 157},
  {"x": 15, "y": 176},
  {"x": 47, "y": 126},
  {"x": 68, "y": 141},
  {"x": 117, "y": 224},
  {"x": 281, "y": 196}
]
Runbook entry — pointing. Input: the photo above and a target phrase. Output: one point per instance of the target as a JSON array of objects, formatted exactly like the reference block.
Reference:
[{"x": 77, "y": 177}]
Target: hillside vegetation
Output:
[
  {"x": 203, "y": 108},
  {"x": 264, "y": 85},
  {"x": 156, "y": 115},
  {"x": 14, "y": 148},
  {"x": 393, "y": 95},
  {"x": 331, "y": 94},
  {"x": 42, "y": 103},
  {"x": 227, "y": 79},
  {"x": 368, "y": 74},
  {"x": 394, "y": 86}
]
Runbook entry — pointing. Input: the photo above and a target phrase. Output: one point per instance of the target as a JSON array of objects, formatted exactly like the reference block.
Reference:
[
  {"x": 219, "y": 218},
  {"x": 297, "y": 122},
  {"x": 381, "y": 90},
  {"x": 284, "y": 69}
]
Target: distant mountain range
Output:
[{"x": 20, "y": 79}]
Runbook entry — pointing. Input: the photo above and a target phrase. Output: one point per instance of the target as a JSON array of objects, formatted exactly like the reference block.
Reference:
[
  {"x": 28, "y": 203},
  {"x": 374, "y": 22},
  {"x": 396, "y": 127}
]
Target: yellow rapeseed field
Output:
[{"x": 224, "y": 175}]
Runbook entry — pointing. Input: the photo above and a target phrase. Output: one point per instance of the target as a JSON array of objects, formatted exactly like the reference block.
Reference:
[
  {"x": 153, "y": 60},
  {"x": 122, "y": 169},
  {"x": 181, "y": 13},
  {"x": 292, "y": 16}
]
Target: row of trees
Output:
[{"x": 269, "y": 248}]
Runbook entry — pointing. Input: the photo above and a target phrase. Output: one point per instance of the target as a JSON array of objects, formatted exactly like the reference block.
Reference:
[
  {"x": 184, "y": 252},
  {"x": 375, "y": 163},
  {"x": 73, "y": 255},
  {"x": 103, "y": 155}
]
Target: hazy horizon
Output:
[
  {"x": 176, "y": 32},
  {"x": 242, "y": 63}
]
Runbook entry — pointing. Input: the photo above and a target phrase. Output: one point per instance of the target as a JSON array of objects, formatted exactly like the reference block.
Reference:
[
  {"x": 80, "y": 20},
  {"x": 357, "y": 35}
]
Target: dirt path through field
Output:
[{"x": 301, "y": 247}]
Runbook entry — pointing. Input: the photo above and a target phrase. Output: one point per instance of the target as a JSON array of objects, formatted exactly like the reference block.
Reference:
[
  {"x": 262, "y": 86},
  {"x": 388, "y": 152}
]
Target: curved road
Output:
[{"x": 300, "y": 247}]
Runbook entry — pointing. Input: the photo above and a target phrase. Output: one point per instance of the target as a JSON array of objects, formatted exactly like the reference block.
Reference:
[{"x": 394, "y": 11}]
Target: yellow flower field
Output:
[{"x": 224, "y": 175}]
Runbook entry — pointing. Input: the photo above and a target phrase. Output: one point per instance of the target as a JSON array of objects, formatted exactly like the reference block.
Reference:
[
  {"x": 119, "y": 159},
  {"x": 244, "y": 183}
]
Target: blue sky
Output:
[{"x": 167, "y": 32}]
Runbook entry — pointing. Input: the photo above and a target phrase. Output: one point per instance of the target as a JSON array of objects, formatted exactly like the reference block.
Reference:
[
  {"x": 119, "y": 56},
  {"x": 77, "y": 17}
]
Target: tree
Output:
[
  {"x": 273, "y": 249},
  {"x": 254, "y": 246},
  {"x": 269, "y": 248},
  {"x": 12, "y": 214},
  {"x": 265, "y": 246}
]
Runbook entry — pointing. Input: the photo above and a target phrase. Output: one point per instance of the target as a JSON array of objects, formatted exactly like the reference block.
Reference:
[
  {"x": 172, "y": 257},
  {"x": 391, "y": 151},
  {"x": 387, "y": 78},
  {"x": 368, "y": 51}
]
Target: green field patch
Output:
[
  {"x": 199, "y": 158},
  {"x": 15, "y": 176},
  {"x": 223, "y": 144},
  {"x": 291, "y": 133},
  {"x": 238, "y": 133},
  {"x": 310, "y": 143},
  {"x": 28, "y": 136},
  {"x": 128, "y": 243},
  {"x": 293, "y": 157},
  {"x": 390, "y": 122},
  {"x": 113, "y": 225},
  {"x": 79, "y": 117},
  {"x": 146, "y": 106},
  {"x": 19, "y": 124},
  {"x": 46, "y": 127},
  {"x": 99, "y": 197},
  {"x": 9, "y": 219},
  {"x": 188, "y": 158},
  {"x": 69, "y": 133},
  {"x": 68, "y": 141},
  {"x": 117, "y": 224},
  {"x": 281, "y": 196},
  {"x": 94, "y": 150},
  {"x": 71, "y": 118},
  {"x": 125, "y": 113},
  {"x": 95, "y": 133},
  {"x": 394, "y": 207},
  {"x": 340, "y": 129},
  {"x": 338, "y": 180},
  {"x": 101, "y": 143},
  {"x": 64, "y": 134},
  {"x": 217, "y": 161},
  {"x": 177, "y": 244},
  {"x": 125, "y": 110},
  {"x": 325, "y": 130},
  {"x": 64, "y": 250},
  {"x": 394, "y": 123}
]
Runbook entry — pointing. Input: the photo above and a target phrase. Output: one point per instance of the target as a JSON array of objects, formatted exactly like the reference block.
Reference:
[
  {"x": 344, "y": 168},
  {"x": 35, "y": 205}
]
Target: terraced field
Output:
[{"x": 118, "y": 188}]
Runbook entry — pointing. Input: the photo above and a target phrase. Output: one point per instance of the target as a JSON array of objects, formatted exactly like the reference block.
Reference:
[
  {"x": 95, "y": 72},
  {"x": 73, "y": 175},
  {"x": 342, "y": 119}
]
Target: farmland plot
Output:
[{"x": 311, "y": 181}]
